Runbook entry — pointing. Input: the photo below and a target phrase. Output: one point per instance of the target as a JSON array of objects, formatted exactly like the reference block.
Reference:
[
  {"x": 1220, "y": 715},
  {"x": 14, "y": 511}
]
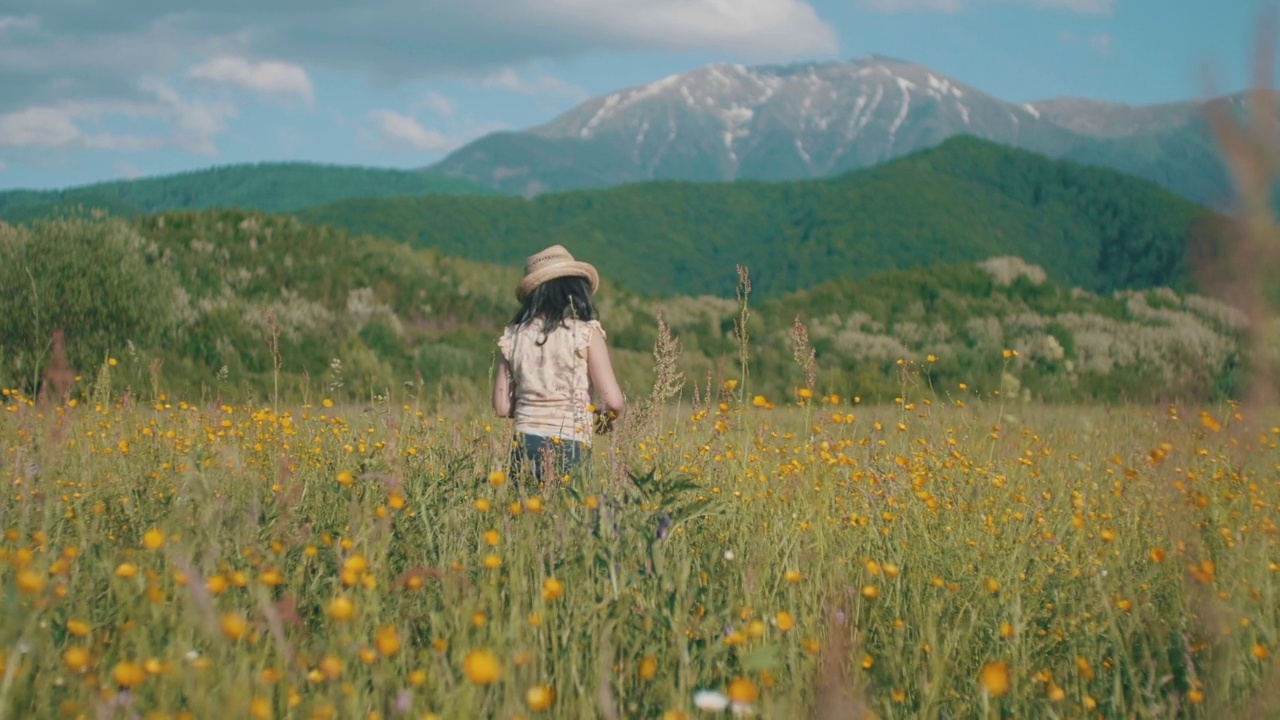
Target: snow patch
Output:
[
  {"x": 964, "y": 112},
  {"x": 803, "y": 155},
  {"x": 606, "y": 109},
  {"x": 905, "y": 86},
  {"x": 1031, "y": 110}
]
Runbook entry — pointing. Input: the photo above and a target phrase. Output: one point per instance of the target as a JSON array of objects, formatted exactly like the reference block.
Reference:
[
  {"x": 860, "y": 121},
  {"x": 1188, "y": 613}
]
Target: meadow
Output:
[{"x": 950, "y": 554}]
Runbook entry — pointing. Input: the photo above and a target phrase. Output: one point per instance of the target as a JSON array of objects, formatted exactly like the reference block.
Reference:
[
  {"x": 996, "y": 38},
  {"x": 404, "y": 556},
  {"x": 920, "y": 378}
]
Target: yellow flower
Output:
[
  {"x": 1195, "y": 697},
  {"x": 79, "y": 628},
  {"x": 387, "y": 641},
  {"x": 491, "y": 537},
  {"x": 260, "y": 709},
  {"x": 1260, "y": 652},
  {"x": 30, "y": 581},
  {"x": 994, "y": 678},
  {"x": 648, "y": 667},
  {"x": 534, "y": 505},
  {"x": 743, "y": 692},
  {"x": 128, "y": 674},
  {"x": 126, "y": 570},
  {"x": 341, "y": 609},
  {"x": 331, "y": 666},
  {"x": 233, "y": 626},
  {"x": 759, "y": 401},
  {"x": 216, "y": 584},
  {"x": 497, "y": 478},
  {"x": 346, "y": 479},
  {"x": 153, "y": 539},
  {"x": 76, "y": 658},
  {"x": 493, "y": 562},
  {"x": 552, "y": 589},
  {"x": 481, "y": 667},
  {"x": 482, "y": 505},
  {"x": 785, "y": 621},
  {"x": 804, "y": 393},
  {"x": 540, "y": 697},
  {"x": 730, "y": 384},
  {"x": 792, "y": 576},
  {"x": 418, "y": 678},
  {"x": 870, "y": 592}
]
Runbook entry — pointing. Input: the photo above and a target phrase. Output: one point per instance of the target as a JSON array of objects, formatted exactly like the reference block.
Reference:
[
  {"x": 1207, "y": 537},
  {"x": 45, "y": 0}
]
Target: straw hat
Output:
[{"x": 552, "y": 263}]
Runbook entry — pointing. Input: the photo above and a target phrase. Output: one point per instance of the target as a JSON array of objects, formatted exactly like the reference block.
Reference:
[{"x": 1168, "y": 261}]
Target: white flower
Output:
[
  {"x": 710, "y": 701},
  {"x": 728, "y": 554}
]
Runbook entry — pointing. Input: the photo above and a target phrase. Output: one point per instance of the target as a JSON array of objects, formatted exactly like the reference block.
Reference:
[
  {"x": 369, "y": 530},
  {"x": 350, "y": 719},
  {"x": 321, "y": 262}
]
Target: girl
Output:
[{"x": 552, "y": 357}]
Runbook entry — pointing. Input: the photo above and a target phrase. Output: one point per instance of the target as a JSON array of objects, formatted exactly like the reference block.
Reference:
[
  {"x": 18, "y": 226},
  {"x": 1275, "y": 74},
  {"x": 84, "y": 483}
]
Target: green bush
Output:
[{"x": 99, "y": 282}]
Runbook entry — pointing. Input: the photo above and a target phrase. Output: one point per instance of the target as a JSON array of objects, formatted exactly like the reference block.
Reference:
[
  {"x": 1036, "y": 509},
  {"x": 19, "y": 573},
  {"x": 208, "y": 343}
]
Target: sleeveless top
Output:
[{"x": 549, "y": 373}]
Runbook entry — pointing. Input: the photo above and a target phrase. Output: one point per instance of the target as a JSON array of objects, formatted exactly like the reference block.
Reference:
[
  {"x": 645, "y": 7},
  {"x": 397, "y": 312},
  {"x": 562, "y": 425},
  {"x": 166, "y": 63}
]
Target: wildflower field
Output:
[{"x": 947, "y": 555}]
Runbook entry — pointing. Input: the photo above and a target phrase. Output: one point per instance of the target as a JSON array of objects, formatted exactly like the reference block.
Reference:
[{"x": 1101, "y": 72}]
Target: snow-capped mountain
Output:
[{"x": 731, "y": 122}]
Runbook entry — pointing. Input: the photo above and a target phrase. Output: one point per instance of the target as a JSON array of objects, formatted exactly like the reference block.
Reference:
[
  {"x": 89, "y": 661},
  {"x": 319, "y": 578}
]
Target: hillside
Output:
[
  {"x": 269, "y": 187},
  {"x": 963, "y": 201},
  {"x": 190, "y": 302}
]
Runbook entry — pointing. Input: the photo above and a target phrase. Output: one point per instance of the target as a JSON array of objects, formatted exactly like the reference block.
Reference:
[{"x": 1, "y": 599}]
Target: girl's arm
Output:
[
  {"x": 504, "y": 403},
  {"x": 600, "y": 371}
]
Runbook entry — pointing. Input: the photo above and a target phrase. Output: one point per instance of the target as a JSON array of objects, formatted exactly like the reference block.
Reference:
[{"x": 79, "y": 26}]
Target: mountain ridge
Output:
[{"x": 958, "y": 202}]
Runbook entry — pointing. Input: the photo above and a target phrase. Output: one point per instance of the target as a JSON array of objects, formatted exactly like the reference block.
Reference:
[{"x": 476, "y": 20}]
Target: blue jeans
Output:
[{"x": 544, "y": 458}]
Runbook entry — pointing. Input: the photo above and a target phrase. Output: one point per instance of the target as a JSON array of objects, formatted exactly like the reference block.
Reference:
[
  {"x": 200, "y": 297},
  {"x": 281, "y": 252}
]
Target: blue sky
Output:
[{"x": 104, "y": 89}]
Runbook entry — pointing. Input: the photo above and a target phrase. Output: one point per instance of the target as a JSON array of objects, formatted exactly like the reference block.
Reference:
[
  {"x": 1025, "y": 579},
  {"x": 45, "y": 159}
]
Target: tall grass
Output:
[{"x": 950, "y": 559}]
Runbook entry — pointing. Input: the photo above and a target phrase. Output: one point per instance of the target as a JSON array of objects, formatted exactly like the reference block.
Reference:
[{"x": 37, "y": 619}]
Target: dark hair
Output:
[{"x": 556, "y": 301}]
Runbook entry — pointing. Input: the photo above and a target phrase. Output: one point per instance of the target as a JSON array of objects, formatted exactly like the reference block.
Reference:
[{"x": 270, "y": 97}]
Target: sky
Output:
[{"x": 94, "y": 90}]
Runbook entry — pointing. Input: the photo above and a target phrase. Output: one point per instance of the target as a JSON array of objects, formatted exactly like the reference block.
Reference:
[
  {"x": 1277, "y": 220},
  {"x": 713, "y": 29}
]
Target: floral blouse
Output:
[{"x": 549, "y": 373}]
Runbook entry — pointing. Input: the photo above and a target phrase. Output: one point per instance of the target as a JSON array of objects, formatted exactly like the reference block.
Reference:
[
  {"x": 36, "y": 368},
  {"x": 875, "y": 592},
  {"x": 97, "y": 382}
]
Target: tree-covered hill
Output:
[
  {"x": 963, "y": 201},
  {"x": 209, "y": 304},
  {"x": 269, "y": 187}
]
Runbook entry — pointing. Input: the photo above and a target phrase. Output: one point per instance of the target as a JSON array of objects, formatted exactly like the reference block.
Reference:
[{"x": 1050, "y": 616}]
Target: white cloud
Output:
[
  {"x": 18, "y": 22},
  {"x": 757, "y": 29},
  {"x": 395, "y": 130},
  {"x": 1101, "y": 43},
  {"x": 191, "y": 125},
  {"x": 1083, "y": 7},
  {"x": 891, "y": 6},
  {"x": 541, "y": 86},
  {"x": 268, "y": 77},
  {"x": 436, "y": 104}
]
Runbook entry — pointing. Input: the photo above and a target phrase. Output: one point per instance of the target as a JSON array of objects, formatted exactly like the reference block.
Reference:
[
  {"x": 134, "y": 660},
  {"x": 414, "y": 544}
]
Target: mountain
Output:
[
  {"x": 225, "y": 304},
  {"x": 965, "y": 200},
  {"x": 731, "y": 122},
  {"x": 270, "y": 187}
]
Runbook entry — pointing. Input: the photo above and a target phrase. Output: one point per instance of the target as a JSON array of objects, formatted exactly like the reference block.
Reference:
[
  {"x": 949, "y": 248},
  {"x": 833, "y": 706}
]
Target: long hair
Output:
[{"x": 555, "y": 302}]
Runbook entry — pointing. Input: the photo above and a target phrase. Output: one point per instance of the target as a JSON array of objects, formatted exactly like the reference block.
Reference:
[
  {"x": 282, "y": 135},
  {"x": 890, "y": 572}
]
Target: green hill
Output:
[
  {"x": 204, "y": 304},
  {"x": 269, "y": 187},
  {"x": 963, "y": 201}
]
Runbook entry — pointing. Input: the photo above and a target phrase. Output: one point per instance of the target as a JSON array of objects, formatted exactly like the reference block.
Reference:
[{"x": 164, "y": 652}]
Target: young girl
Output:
[{"x": 552, "y": 357}]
